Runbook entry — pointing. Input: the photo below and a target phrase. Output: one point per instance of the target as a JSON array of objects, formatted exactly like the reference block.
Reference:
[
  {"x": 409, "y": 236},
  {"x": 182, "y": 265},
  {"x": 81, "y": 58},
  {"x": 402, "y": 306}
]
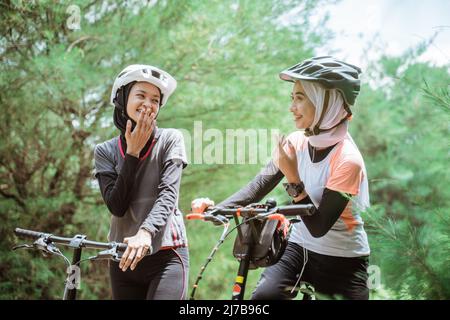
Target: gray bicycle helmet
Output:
[{"x": 330, "y": 72}]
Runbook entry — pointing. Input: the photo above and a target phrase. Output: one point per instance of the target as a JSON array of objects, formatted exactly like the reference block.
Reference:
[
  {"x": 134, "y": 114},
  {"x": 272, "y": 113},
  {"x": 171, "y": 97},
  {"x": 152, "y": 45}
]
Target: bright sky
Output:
[{"x": 400, "y": 24}]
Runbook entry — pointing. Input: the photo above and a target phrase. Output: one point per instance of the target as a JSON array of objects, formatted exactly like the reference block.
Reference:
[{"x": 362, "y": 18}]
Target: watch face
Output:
[
  {"x": 294, "y": 189},
  {"x": 293, "y": 192}
]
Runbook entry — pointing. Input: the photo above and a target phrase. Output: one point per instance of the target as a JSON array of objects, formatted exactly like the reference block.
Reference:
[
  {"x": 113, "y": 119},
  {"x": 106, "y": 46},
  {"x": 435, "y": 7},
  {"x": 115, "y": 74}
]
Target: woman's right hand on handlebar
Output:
[{"x": 199, "y": 205}]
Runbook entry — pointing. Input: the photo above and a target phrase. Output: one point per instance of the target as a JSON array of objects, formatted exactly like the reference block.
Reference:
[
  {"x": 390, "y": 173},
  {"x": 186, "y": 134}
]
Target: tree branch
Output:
[{"x": 16, "y": 198}]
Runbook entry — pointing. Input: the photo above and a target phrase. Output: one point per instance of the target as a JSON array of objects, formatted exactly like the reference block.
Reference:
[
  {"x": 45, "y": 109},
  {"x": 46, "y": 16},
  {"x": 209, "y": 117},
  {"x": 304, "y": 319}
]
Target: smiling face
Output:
[
  {"x": 143, "y": 97},
  {"x": 302, "y": 108}
]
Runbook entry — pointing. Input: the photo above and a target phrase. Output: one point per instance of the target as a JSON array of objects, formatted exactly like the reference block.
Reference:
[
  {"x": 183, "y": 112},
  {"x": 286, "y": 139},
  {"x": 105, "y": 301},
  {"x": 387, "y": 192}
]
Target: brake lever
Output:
[
  {"x": 212, "y": 211},
  {"x": 217, "y": 220},
  {"x": 295, "y": 220},
  {"x": 42, "y": 244},
  {"x": 22, "y": 246},
  {"x": 47, "y": 248},
  {"x": 264, "y": 215},
  {"x": 110, "y": 254}
]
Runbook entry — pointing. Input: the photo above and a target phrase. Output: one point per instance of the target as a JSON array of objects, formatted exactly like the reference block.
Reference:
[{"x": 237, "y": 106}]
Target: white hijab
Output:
[{"x": 334, "y": 114}]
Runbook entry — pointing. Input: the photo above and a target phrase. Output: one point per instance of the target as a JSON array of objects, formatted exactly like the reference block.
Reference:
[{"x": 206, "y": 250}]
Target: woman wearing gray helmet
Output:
[
  {"x": 139, "y": 175},
  {"x": 322, "y": 166}
]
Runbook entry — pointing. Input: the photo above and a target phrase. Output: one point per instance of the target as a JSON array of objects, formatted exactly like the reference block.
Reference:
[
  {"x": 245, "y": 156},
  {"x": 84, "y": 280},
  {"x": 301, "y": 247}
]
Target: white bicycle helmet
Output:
[{"x": 141, "y": 72}]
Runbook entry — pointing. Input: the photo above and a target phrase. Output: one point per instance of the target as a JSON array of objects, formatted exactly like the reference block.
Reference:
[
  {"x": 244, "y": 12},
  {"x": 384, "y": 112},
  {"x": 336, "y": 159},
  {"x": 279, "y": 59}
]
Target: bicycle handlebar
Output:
[
  {"x": 24, "y": 233},
  {"x": 290, "y": 210},
  {"x": 267, "y": 211}
]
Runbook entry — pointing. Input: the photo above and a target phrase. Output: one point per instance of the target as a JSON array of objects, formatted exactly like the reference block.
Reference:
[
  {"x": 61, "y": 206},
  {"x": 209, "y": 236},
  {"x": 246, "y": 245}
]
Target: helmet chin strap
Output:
[{"x": 316, "y": 130}]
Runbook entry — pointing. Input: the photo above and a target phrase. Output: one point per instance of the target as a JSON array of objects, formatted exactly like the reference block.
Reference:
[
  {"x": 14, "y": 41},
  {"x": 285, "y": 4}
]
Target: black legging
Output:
[
  {"x": 331, "y": 277},
  {"x": 161, "y": 276}
]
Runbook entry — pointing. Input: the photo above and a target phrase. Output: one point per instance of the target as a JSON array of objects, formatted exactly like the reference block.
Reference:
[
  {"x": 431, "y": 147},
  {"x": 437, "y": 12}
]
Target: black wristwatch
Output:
[{"x": 294, "y": 189}]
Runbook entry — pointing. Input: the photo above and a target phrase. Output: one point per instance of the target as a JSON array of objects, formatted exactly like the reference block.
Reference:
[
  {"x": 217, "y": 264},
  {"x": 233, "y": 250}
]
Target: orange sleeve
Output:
[{"x": 346, "y": 177}]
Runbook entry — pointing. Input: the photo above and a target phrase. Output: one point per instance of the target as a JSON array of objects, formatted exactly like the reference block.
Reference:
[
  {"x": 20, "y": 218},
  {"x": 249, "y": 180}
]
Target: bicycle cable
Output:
[{"x": 210, "y": 257}]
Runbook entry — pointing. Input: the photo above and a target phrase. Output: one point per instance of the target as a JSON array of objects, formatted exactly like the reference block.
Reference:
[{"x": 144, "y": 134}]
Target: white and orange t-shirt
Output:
[{"x": 342, "y": 170}]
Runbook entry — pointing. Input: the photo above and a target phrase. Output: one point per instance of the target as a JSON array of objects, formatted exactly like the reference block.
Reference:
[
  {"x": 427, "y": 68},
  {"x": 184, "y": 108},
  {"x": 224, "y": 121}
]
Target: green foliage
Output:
[
  {"x": 401, "y": 130},
  {"x": 55, "y": 87},
  {"x": 54, "y": 93}
]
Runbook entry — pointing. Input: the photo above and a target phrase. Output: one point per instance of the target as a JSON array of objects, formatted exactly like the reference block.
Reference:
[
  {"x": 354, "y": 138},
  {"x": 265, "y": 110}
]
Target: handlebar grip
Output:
[
  {"x": 27, "y": 233},
  {"x": 195, "y": 216},
  {"x": 277, "y": 216},
  {"x": 294, "y": 210}
]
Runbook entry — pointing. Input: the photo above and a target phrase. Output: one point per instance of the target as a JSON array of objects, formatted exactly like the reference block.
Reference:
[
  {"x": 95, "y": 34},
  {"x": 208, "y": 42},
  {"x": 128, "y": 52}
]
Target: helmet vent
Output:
[
  {"x": 294, "y": 67},
  {"x": 156, "y": 74},
  {"x": 333, "y": 76},
  {"x": 331, "y": 64},
  {"x": 312, "y": 69}
]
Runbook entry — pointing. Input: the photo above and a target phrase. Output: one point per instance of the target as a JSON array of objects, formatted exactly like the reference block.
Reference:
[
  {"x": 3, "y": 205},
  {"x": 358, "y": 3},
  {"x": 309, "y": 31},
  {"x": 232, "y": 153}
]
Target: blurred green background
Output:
[{"x": 226, "y": 55}]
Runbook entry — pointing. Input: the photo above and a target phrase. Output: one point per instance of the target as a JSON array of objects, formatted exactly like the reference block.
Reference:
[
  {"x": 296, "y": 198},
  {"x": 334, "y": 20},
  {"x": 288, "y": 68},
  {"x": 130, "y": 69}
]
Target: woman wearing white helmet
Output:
[
  {"x": 322, "y": 166},
  {"x": 139, "y": 175}
]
